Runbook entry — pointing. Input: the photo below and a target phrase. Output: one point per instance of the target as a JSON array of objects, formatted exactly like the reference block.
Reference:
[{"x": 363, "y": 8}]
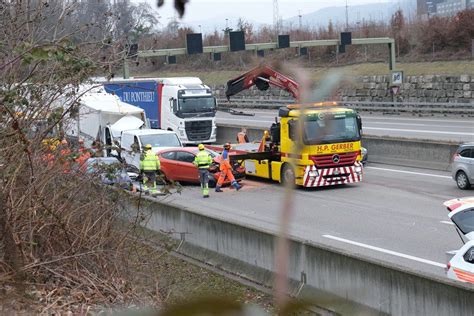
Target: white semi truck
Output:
[
  {"x": 183, "y": 105},
  {"x": 103, "y": 118}
]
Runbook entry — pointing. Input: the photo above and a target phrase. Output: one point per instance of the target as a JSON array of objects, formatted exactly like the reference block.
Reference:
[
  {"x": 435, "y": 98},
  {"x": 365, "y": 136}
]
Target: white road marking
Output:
[
  {"x": 410, "y": 172},
  {"x": 422, "y": 124},
  {"x": 241, "y": 120},
  {"x": 390, "y": 252},
  {"x": 418, "y": 131},
  {"x": 411, "y": 119},
  {"x": 446, "y": 222}
]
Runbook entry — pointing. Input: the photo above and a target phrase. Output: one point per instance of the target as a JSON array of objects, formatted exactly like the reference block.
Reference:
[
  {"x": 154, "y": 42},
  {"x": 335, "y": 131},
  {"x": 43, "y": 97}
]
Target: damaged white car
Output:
[{"x": 461, "y": 266}]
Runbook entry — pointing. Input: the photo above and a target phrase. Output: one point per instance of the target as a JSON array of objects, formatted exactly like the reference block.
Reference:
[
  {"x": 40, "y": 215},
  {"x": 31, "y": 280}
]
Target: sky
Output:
[{"x": 252, "y": 10}]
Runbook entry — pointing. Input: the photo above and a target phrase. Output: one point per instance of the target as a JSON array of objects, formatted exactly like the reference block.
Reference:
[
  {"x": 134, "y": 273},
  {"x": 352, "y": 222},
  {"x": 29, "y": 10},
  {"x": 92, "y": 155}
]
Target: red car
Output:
[{"x": 177, "y": 165}]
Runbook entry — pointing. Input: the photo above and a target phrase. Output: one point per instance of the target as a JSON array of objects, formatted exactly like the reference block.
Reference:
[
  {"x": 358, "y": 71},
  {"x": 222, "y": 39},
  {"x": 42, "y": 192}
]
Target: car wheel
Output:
[
  {"x": 462, "y": 181},
  {"x": 288, "y": 174}
]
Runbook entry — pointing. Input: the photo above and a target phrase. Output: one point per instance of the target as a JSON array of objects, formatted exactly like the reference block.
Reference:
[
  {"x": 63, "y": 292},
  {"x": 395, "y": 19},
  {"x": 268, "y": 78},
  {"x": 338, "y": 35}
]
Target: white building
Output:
[{"x": 426, "y": 8}]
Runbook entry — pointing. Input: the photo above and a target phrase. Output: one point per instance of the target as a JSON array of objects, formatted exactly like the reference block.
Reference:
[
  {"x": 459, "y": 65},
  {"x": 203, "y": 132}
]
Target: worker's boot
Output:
[
  {"x": 236, "y": 185},
  {"x": 218, "y": 188},
  {"x": 154, "y": 190}
]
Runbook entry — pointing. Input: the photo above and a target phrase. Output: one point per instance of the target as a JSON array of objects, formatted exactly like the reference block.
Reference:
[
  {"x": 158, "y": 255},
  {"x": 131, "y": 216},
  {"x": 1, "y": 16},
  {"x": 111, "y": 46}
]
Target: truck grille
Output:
[
  {"x": 198, "y": 130},
  {"x": 345, "y": 159}
]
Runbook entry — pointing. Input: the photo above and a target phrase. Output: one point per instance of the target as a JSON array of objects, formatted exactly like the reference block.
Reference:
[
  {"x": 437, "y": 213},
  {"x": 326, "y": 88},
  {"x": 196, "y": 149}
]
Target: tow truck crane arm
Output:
[{"x": 262, "y": 77}]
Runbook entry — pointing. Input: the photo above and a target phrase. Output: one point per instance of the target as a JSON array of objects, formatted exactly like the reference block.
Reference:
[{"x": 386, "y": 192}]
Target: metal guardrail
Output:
[{"x": 368, "y": 106}]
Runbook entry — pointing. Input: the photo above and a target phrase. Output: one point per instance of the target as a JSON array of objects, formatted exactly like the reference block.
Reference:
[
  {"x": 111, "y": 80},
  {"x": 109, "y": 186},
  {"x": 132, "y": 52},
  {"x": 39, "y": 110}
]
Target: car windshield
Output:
[
  {"x": 196, "y": 104},
  {"x": 161, "y": 140},
  {"x": 464, "y": 220},
  {"x": 329, "y": 128}
]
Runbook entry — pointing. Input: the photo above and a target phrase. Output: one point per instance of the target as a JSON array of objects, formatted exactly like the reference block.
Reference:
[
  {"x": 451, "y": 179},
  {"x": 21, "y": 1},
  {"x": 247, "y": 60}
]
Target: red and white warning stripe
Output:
[
  {"x": 330, "y": 176},
  {"x": 464, "y": 275}
]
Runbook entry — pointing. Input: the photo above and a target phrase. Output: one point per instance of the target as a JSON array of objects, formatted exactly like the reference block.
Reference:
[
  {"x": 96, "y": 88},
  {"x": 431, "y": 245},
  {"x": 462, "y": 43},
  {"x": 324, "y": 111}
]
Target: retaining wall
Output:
[
  {"x": 346, "y": 283},
  {"x": 427, "y": 88},
  {"x": 396, "y": 151}
]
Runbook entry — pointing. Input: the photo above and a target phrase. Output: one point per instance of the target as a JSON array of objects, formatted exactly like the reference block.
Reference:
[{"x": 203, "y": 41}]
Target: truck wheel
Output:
[
  {"x": 462, "y": 181},
  {"x": 288, "y": 174}
]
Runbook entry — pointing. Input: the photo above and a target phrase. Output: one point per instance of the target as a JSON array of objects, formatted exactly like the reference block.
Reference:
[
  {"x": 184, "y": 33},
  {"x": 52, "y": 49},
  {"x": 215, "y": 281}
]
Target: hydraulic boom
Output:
[{"x": 262, "y": 77}]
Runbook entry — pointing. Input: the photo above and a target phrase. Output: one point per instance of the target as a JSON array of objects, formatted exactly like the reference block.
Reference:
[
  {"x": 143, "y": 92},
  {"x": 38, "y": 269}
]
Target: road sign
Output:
[
  {"x": 396, "y": 78},
  {"x": 395, "y": 89}
]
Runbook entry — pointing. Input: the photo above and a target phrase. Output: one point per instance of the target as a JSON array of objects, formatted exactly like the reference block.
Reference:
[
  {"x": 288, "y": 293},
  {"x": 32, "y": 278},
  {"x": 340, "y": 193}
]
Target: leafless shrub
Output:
[{"x": 59, "y": 241}]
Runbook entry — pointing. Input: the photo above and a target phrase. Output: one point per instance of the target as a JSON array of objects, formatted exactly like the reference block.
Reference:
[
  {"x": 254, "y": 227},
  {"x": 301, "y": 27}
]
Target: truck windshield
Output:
[
  {"x": 160, "y": 140},
  {"x": 196, "y": 104},
  {"x": 330, "y": 128}
]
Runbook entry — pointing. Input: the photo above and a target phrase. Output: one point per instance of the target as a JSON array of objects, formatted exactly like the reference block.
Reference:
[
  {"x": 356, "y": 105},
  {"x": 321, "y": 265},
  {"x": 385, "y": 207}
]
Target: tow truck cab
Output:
[{"x": 326, "y": 152}]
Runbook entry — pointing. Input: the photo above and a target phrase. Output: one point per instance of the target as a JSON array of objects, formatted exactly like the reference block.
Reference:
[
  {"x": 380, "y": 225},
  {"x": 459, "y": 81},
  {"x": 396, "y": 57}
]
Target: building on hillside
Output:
[
  {"x": 450, "y": 7},
  {"x": 427, "y": 8}
]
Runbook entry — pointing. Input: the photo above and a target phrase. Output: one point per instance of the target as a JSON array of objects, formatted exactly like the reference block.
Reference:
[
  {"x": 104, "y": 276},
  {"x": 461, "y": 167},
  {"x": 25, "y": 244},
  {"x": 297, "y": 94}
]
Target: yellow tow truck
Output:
[
  {"x": 329, "y": 151},
  {"x": 330, "y": 138}
]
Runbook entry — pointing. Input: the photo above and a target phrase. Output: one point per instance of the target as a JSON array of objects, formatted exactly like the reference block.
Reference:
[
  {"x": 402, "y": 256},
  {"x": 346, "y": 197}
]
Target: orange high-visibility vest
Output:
[{"x": 241, "y": 138}]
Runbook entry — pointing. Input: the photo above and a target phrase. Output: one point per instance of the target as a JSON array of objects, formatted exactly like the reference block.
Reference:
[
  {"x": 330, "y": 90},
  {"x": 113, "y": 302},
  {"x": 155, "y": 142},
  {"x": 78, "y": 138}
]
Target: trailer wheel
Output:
[{"x": 288, "y": 174}]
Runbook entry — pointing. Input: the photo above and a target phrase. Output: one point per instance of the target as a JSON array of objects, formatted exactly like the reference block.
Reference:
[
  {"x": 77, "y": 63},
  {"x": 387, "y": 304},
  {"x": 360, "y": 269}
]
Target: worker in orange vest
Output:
[
  {"x": 83, "y": 155},
  {"x": 266, "y": 138},
  {"x": 65, "y": 155},
  {"x": 242, "y": 136},
  {"x": 226, "y": 170},
  {"x": 49, "y": 149}
]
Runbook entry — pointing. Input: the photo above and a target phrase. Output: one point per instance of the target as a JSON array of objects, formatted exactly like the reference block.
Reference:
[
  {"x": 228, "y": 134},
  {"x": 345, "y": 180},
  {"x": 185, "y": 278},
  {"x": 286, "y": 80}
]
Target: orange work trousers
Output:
[{"x": 225, "y": 172}]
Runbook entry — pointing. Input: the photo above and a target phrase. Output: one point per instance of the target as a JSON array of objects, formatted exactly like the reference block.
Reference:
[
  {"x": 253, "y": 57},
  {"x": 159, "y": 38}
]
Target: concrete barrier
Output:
[
  {"x": 342, "y": 282},
  {"x": 390, "y": 150},
  {"x": 410, "y": 152}
]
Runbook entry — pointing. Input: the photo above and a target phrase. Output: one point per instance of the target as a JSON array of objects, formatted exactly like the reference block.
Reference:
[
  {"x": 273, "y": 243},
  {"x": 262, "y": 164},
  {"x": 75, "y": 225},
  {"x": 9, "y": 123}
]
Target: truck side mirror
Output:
[
  {"x": 293, "y": 130},
  {"x": 359, "y": 123},
  {"x": 175, "y": 105}
]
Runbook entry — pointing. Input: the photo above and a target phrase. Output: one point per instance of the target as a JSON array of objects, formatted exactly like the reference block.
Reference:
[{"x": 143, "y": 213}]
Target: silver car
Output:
[{"x": 463, "y": 166}]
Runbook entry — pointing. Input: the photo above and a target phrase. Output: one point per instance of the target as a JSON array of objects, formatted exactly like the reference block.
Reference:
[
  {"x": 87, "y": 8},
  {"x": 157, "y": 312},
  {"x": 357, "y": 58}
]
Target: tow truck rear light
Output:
[{"x": 454, "y": 206}]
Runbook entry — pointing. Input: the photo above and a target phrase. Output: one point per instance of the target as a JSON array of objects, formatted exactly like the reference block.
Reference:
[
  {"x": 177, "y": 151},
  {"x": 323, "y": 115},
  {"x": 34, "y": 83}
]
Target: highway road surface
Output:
[
  {"x": 435, "y": 128},
  {"x": 395, "y": 215}
]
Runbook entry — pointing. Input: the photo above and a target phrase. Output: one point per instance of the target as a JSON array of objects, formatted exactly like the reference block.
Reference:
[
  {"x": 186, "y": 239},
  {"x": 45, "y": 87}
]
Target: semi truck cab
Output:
[
  {"x": 192, "y": 110},
  {"x": 183, "y": 105},
  {"x": 331, "y": 152}
]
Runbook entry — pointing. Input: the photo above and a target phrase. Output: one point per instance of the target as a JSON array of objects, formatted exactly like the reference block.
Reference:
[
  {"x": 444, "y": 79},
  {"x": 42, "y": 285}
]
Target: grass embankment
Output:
[
  {"x": 159, "y": 278},
  {"x": 173, "y": 280},
  {"x": 220, "y": 77}
]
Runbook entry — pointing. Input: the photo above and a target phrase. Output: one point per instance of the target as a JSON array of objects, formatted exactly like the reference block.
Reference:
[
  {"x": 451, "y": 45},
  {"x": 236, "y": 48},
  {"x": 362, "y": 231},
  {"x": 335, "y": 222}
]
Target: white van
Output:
[{"x": 133, "y": 143}]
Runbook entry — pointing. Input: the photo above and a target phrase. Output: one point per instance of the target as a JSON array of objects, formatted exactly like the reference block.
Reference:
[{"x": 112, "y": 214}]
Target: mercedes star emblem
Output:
[{"x": 336, "y": 158}]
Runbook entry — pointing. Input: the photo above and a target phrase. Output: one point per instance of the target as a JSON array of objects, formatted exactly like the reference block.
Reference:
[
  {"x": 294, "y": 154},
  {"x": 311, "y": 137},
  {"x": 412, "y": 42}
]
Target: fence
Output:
[{"x": 414, "y": 108}]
